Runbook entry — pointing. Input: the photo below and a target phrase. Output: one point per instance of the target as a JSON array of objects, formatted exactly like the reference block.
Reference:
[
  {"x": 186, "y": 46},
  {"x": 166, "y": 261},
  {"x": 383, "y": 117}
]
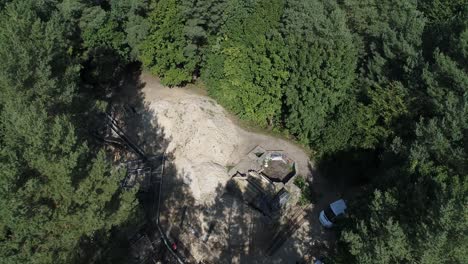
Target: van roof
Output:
[{"x": 338, "y": 207}]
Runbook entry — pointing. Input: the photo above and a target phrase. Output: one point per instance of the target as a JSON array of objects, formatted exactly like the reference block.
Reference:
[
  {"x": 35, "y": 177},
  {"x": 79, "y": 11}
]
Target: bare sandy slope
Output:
[{"x": 204, "y": 140}]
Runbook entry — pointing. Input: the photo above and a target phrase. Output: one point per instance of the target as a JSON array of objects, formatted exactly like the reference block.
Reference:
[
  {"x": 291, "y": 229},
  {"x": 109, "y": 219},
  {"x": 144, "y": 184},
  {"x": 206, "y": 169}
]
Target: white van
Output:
[{"x": 332, "y": 212}]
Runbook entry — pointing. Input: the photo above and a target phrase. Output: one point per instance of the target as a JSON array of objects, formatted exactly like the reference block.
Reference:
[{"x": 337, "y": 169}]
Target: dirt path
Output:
[{"x": 204, "y": 140}]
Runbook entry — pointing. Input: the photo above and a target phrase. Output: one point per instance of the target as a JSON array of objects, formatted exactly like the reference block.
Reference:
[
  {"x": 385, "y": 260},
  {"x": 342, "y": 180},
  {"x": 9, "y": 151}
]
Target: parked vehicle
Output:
[{"x": 334, "y": 211}]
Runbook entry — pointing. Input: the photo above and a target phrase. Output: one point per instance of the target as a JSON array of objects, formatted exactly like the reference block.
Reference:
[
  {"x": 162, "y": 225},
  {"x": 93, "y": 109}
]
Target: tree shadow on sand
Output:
[{"x": 137, "y": 239}]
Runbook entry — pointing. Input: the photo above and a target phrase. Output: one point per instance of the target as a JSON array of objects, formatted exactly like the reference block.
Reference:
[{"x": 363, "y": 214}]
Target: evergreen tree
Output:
[
  {"x": 204, "y": 20},
  {"x": 381, "y": 77},
  {"x": 422, "y": 219},
  {"x": 427, "y": 190},
  {"x": 380, "y": 238},
  {"x": 445, "y": 17},
  {"x": 54, "y": 189},
  {"x": 164, "y": 50},
  {"x": 364, "y": 125},
  {"x": 322, "y": 61},
  {"x": 131, "y": 15},
  {"x": 390, "y": 33},
  {"x": 244, "y": 70}
]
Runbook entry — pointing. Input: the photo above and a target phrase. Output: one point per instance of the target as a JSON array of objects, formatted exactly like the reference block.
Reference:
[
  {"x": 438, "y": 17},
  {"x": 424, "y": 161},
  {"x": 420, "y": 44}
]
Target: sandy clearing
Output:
[{"x": 204, "y": 140}]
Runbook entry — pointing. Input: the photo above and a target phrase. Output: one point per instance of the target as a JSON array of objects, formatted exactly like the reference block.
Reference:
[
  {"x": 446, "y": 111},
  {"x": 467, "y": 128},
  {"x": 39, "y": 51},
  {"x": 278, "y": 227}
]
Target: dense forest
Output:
[{"x": 379, "y": 86}]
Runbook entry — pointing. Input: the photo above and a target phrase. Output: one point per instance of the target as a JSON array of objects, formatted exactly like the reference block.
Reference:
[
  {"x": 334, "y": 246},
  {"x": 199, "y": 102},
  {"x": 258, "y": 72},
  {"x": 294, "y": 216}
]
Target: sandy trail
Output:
[{"x": 204, "y": 140}]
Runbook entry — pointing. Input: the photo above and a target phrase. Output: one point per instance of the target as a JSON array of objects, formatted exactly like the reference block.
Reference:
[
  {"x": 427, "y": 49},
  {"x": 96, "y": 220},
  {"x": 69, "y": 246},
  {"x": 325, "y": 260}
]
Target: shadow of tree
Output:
[
  {"x": 341, "y": 175},
  {"x": 137, "y": 120}
]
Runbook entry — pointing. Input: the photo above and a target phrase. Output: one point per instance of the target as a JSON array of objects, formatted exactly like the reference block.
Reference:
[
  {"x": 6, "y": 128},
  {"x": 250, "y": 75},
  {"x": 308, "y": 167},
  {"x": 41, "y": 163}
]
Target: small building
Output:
[
  {"x": 278, "y": 167},
  {"x": 273, "y": 164},
  {"x": 260, "y": 178}
]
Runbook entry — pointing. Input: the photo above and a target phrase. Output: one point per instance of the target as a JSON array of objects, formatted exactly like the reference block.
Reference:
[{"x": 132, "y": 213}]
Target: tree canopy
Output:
[
  {"x": 55, "y": 188},
  {"x": 377, "y": 82},
  {"x": 380, "y": 77}
]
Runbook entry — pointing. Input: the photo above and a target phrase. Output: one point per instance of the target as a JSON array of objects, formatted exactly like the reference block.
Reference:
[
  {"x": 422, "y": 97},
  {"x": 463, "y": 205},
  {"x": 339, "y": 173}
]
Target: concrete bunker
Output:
[{"x": 263, "y": 180}]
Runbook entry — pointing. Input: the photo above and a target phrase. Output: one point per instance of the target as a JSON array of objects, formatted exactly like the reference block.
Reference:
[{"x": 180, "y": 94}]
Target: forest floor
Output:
[{"x": 204, "y": 141}]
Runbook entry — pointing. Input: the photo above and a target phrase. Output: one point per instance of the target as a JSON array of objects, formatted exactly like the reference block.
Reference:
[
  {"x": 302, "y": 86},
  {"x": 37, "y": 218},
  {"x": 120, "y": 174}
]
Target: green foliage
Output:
[
  {"x": 163, "y": 51},
  {"x": 131, "y": 15},
  {"x": 445, "y": 19},
  {"x": 54, "y": 189},
  {"x": 362, "y": 125},
  {"x": 99, "y": 30},
  {"x": 379, "y": 239},
  {"x": 203, "y": 20},
  {"x": 446, "y": 78},
  {"x": 380, "y": 82},
  {"x": 28, "y": 49},
  {"x": 244, "y": 69},
  {"x": 441, "y": 10},
  {"x": 323, "y": 56},
  {"x": 425, "y": 193},
  {"x": 423, "y": 219},
  {"x": 438, "y": 158},
  {"x": 306, "y": 194},
  {"x": 390, "y": 36},
  {"x": 121, "y": 28},
  {"x": 300, "y": 182},
  {"x": 104, "y": 36}
]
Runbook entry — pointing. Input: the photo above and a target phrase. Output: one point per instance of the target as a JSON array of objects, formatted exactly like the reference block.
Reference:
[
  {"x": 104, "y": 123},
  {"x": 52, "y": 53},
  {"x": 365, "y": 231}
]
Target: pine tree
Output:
[
  {"x": 54, "y": 190},
  {"x": 322, "y": 60},
  {"x": 428, "y": 186},
  {"x": 390, "y": 33},
  {"x": 380, "y": 238}
]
